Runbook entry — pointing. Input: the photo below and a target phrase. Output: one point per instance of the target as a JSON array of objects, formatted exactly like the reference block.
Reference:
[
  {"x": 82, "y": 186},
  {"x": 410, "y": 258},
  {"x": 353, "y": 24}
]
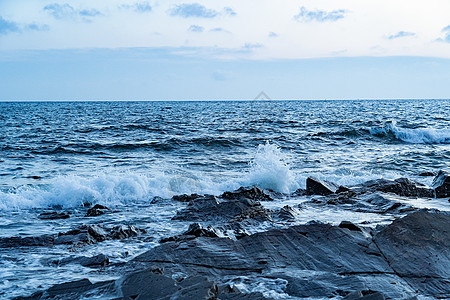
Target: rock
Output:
[
  {"x": 211, "y": 208},
  {"x": 417, "y": 248},
  {"x": 148, "y": 285},
  {"x": 349, "y": 225},
  {"x": 380, "y": 202},
  {"x": 92, "y": 234},
  {"x": 299, "y": 192},
  {"x": 185, "y": 198},
  {"x": 253, "y": 192},
  {"x": 315, "y": 186},
  {"x": 195, "y": 230},
  {"x": 427, "y": 174},
  {"x": 441, "y": 185},
  {"x": 53, "y": 215},
  {"x": 364, "y": 295},
  {"x": 125, "y": 231},
  {"x": 99, "y": 260},
  {"x": 29, "y": 241},
  {"x": 97, "y": 210},
  {"x": 401, "y": 186},
  {"x": 287, "y": 213},
  {"x": 198, "y": 230}
]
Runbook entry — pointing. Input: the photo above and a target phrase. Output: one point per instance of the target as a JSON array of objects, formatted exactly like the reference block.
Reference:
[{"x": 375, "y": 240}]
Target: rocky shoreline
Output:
[{"x": 408, "y": 258}]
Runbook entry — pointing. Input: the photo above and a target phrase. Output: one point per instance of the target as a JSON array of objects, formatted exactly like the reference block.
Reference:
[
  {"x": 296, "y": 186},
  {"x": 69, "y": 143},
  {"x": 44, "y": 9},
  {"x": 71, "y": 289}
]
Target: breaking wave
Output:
[{"x": 412, "y": 135}]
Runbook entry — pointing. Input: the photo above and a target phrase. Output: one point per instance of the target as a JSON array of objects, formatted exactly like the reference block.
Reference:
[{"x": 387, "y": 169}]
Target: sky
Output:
[{"x": 224, "y": 50}]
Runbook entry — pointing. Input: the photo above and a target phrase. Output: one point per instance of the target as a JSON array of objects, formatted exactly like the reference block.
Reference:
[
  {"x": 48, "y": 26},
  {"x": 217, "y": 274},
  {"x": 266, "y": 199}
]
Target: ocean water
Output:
[{"x": 123, "y": 154}]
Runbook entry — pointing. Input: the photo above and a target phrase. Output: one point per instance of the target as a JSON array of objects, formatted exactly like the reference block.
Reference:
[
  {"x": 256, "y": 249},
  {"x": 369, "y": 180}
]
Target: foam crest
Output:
[
  {"x": 413, "y": 136},
  {"x": 269, "y": 169}
]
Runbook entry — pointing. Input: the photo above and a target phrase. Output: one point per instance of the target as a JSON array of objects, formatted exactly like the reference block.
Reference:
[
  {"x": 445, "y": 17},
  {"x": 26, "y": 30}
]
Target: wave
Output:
[{"x": 412, "y": 135}]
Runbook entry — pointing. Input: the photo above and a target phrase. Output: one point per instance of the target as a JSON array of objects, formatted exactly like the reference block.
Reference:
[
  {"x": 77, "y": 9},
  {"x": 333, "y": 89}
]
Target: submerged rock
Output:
[
  {"x": 401, "y": 186},
  {"x": 97, "y": 210},
  {"x": 29, "y": 241},
  {"x": 99, "y": 260},
  {"x": 195, "y": 230},
  {"x": 441, "y": 185},
  {"x": 315, "y": 186},
  {"x": 53, "y": 215}
]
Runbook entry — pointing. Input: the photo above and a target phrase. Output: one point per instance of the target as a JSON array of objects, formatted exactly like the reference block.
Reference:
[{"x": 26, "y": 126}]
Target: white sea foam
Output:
[
  {"x": 269, "y": 169},
  {"x": 414, "y": 136}
]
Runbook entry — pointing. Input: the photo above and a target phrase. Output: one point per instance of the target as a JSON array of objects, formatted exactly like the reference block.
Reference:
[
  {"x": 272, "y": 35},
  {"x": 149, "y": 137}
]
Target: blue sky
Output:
[{"x": 200, "y": 50}]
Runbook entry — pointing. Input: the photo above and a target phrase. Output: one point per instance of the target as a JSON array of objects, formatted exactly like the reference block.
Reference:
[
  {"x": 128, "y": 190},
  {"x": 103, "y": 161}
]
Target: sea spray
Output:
[{"x": 269, "y": 169}]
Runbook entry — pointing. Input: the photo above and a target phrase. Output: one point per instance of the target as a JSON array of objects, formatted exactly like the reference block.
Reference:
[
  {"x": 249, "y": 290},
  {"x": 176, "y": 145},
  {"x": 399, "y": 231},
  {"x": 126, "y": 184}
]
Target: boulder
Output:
[
  {"x": 185, "y": 197},
  {"x": 253, "y": 192},
  {"x": 125, "y": 232},
  {"x": 315, "y": 186},
  {"x": 211, "y": 208},
  {"x": 99, "y": 260},
  {"x": 441, "y": 185}
]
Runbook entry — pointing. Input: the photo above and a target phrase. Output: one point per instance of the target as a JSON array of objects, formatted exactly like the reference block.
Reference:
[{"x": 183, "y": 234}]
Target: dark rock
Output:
[
  {"x": 427, "y": 174},
  {"x": 99, "y": 260},
  {"x": 379, "y": 202},
  {"x": 198, "y": 230},
  {"x": 29, "y": 241},
  {"x": 287, "y": 213},
  {"x": 364, "y": 295},
  {"x": 211, "y": 208},
  {"x": 97, "y": 210},
  {"x": 400, "y": 186},
  {"x": 253, "y": 192},
  {"x": 441, "y": 185},
  {"x": 417, "y": 248},
  {"x": 315, "y": 186},
  {"x": 53, "y": 215},
  {"x": 125, "y": 231},
  {"x": 299, "y": 192},
  {"x": 185, "y": 198},
  {"x": 148, "y": 285},
  {"x": 349, "y": 225}
]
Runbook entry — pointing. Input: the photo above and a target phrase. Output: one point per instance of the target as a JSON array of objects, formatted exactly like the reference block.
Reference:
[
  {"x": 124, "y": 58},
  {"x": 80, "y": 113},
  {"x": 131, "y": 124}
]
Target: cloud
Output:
[
  {"x": 446, "y": 31},
  {"x": 220, "y": 75},
  {"x": 196, "y": 28},
  {"x": 8, "y": 26},
  {"x": 66, "y": 11},
  {"x": 401, "y": 34},
  {"x": 273, "y": 34},
  {"x": 319, "y": 15},
  {"x": 252, "y": 46},
  {"x": 229, "y": 11},
  {"x": 193, "y": 10},
  {"x": 140, "y": 7}
]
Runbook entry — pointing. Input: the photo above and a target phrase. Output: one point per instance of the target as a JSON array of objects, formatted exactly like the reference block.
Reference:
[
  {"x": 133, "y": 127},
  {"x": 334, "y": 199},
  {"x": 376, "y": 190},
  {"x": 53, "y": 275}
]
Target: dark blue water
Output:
[{"x": 135, "y": 150}]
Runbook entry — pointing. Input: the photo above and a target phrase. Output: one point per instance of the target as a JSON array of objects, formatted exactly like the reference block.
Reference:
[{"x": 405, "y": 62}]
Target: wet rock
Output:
[
  {"x": 148, "y": 285},
  {"x": 29, "y": 241},
  {"x": 400, "y": 186},
  {"x": 315, "y": 186},
  {"x": 441, "y": 185},
  {"x": 198, "y": 230},
  {"x": 185, "y": 198},
  {"x": 417, "y": 248},
  {"x": 195, "y": 230},
  {"x": 299, "y": 192},
  {"x": 287, "y": 213},
  {"x": 125, "y": 232},
  {"x": 99, "y": 260},
  {"x": 211, "y": 208},
  {"x": 97, "y": 210},
  {"x": 379, "y": 202},
  {"x": 253, "y": 192},
  {"x": 53, "y": 215},
  {"x": 349, "y": 225},
  {"x": 85, "y": 234},
  {"x": 92, "y": 234},
  {"x": 427, "y": 174},
  {"x": 364, "y": 295}
]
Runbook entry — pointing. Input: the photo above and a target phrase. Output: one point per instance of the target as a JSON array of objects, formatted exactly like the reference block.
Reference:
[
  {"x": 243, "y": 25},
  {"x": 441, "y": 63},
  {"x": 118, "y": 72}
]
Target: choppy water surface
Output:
[{"x": 123, "y": 154}]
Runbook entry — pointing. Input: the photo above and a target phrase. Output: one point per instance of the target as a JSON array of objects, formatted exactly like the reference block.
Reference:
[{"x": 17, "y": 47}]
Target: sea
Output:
[{"x": 123, "y": 154}]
